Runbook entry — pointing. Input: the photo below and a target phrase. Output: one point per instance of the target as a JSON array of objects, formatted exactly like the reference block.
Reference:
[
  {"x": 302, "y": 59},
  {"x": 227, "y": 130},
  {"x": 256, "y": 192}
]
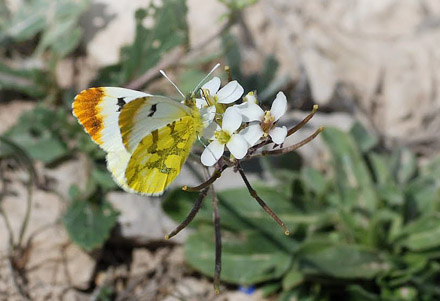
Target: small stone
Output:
[{"x": 142, "y": 219}]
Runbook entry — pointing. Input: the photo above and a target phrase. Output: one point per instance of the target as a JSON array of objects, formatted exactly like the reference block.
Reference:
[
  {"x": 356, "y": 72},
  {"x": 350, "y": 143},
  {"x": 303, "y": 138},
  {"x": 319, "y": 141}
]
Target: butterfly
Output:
[{"x": 147, "y": 137}]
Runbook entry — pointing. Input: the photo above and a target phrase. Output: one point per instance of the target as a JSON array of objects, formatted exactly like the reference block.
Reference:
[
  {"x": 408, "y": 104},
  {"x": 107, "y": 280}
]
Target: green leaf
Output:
[
  {"x": 38, "y": 131},
  {"x": 424, "y": 194},
  {"x": 381, "y": 168},
  {"x": 103, "y": 178},
  {"x": 358, "y": 293},
  {"x": 57, "y": 21},
  {"x": 32, "y": 82},
  {"x": 292, "y": 279},
  {"x": 407, "y": 166},
  {"x": 247, "y": 258},
  {"x": 236, "y": 5},
  {"x": 341, "y": 261},
  {"x": 423, "y": 234},
  {"x": 168, "y": 31},
  {"x": 89, "y": 223},
  {"x": 270, "y": 289},
  {"x": 363, "y": 138},
  {"x": 352, "y": 174},
  {"x": 314, "y": 180}
]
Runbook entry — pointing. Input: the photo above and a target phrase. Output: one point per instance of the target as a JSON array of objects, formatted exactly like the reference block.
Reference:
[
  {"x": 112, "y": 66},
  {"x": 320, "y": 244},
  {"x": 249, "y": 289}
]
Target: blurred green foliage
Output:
[
  {"x": 168, "y": 30},
  {"x": 33, "y": 40},
  {"x": 367, "y": 230},
  {"x": 89, "y": 221}
]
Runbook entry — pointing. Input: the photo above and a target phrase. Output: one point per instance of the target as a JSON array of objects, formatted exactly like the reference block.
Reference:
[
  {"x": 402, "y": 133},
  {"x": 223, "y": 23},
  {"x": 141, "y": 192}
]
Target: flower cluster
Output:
[{"x": 236, "y": 127}]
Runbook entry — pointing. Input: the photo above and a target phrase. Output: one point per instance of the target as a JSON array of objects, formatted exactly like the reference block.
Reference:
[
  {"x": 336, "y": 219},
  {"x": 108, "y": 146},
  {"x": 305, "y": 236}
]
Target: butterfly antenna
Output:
[
  {"x": 202, "y": 81},
  {"x": 175, "y": 86}
]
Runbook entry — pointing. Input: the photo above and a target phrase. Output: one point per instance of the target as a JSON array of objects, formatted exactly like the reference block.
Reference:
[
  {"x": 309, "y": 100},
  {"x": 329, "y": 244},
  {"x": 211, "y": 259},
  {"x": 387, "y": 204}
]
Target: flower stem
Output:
[
  {"x": 218, "y": 242},
  {"x": 303, "y": 122},
  {"x": 191, "y": 215},
  {"x": 292, "y": 147},
  {"x": 266, "y": 208},
  {"x": 215, "y": 175}
]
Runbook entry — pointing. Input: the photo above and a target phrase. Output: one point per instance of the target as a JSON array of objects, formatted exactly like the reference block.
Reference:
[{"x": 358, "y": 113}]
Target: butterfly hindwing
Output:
[{"x": 159, "y": 157}]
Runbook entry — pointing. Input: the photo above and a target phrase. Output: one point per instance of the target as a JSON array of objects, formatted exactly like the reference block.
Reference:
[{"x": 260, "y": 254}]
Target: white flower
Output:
[
  {"x": 211, "y": 95},
  {"x": 266, "y": 125},
  {"x": 250, "y": 98},
  {"x": 226, "y": 136}
]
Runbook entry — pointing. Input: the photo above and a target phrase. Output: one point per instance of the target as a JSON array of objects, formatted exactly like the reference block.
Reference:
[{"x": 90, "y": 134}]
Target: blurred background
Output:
[{"x": 362, "y": 200}]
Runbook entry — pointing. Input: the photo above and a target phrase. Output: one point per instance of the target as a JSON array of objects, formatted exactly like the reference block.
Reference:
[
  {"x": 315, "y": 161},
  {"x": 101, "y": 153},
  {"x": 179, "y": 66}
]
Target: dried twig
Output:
[
  {"x": 191, "y": 215},
  {"x": 254, "y": 194},
  {"x": 290, "y": 148},
  {"x": 2, "y": 212},
  {"x": 215, "y": 175},
  {"x": 218, "y": 242}
]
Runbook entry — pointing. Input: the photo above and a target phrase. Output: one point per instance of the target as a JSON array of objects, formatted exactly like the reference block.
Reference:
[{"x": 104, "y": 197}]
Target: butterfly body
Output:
[{"x": 147, "y": 138}]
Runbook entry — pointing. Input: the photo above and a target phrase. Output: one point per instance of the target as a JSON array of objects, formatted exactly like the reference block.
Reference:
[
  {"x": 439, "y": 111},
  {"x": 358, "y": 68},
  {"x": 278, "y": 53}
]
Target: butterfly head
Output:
[{"x": 190, "y": 100}]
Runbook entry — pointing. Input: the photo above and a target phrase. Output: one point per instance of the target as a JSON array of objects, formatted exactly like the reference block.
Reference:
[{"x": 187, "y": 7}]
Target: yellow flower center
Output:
[
  {"x": 267, "y": 123},
  {"x": 222, "y": 136}
]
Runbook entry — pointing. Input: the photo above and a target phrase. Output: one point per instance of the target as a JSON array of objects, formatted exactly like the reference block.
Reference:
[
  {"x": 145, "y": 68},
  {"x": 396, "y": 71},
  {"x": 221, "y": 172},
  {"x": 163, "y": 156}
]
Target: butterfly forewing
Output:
[
  {"x": 97, "y": 109},
  {"x": 144, "y": 115}
]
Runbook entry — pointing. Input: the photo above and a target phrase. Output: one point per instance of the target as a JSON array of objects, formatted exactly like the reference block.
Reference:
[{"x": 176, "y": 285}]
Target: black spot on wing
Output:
[
  {"x": 152, "y": 110},
  {"x": 121, "y": 103}
]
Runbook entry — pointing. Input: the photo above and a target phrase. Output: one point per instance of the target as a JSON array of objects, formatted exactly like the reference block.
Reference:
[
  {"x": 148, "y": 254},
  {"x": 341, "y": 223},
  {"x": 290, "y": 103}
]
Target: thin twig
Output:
[
  {"x": 290, "y": 148},
  {"x": 266, "y": 208},
  {"x": 218, "y": 242},
  {"x": 303, "y": 122},
  {"x": 191, "y": 215},
  {"x": 215, "y": 175},
  {"x": 3, "y": 212},
  {"x": 28, "y": 211}
]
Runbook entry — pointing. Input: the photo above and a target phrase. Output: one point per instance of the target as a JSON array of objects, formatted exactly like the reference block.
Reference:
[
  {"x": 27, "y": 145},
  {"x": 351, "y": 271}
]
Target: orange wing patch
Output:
[
  {"x": 126, "y": 120},
  {"x": 85, "y": 108}
]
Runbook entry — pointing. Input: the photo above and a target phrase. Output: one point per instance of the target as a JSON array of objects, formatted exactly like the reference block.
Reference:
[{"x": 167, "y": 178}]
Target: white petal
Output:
[
  {"x": 278, "y": 134},
  {"x": 212, "y": 153},
  {"x": 230, "y": 93},
  {"x": 237, "y": 146},
  {"x": 201, "y": 103},
  {"x": 213, "y": 85},
  {"x": 250, "y": 98},
  {"x": 207, "y": 114},
  {"x": 209, "y": 131},
  {"x": 231, "y": 120},
  {"x": 250, "y": 112},
  {"x": 252, "y": 133},
  {"x": 279, "y": 106}
]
